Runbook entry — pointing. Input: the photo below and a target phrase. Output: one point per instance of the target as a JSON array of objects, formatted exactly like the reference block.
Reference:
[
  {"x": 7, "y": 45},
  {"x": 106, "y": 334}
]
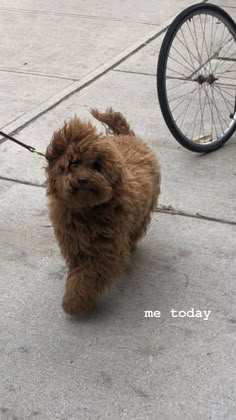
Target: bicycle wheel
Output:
[{"x": 196, "y": 77}]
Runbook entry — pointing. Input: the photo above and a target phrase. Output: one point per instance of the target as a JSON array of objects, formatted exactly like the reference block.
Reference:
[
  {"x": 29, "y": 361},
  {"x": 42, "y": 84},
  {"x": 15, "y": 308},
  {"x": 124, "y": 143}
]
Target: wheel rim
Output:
[{"x": 200, "y": 78}]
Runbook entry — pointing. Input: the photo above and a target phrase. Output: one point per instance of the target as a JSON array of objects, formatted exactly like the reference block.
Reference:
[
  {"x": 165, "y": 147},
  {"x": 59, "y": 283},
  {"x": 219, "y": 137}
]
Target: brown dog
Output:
[{"x": 101, "y": 192}]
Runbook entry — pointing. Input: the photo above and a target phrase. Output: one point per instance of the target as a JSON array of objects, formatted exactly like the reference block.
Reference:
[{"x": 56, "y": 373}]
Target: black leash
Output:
[{"x": 26, "y": 146}]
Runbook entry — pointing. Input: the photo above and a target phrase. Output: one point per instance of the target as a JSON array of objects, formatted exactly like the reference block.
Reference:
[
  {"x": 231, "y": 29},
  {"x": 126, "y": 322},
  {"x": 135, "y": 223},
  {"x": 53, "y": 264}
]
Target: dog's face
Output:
[{"x": 84, "y": 168}]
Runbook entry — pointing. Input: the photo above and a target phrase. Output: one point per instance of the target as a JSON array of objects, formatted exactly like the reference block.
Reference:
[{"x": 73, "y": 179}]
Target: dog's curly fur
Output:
[{"x": 101, "y": 191}]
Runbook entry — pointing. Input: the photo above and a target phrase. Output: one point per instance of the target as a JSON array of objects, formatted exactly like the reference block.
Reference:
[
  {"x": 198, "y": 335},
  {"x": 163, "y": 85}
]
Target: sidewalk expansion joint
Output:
[
  {"x": 38, "y": 74},
  {"x": 135, "y": 72},
  {"x": 161, "y": 209},
  {"x": 77, "y": 16},
  {"x": 169, "y": 210}
]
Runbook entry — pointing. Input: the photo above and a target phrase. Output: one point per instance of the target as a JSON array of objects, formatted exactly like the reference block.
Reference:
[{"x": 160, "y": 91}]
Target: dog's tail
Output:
[{"x": 115, "y": 121}]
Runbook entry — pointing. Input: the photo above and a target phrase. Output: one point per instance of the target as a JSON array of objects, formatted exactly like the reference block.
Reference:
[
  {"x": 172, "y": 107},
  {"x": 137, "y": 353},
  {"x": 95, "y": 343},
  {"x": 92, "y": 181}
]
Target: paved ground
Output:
[{"x": 116, "y": 364}]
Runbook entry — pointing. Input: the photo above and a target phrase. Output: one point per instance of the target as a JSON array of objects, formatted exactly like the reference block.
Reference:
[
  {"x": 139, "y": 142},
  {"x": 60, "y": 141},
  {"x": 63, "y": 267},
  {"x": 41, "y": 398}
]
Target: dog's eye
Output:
[
  {"x": 75, "y": 162},
  {"x": 97, "y": 166}
]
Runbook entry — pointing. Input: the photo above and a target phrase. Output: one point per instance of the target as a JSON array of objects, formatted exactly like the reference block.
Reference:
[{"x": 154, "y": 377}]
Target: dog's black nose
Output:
[{"x": 83, "y": 180}]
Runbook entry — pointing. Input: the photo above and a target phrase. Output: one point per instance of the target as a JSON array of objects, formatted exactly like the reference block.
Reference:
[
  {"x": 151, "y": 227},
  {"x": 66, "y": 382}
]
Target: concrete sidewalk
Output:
[{"x": 58, "y": 60}]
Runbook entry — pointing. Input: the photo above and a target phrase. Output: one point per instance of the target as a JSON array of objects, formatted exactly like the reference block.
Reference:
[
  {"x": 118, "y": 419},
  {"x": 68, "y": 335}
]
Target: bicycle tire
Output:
[{"x": 161, "y": 74}]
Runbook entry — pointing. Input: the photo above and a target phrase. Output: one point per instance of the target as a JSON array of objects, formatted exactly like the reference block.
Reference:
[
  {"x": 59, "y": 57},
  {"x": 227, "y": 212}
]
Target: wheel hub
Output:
[{"x": 210, "y": 79}]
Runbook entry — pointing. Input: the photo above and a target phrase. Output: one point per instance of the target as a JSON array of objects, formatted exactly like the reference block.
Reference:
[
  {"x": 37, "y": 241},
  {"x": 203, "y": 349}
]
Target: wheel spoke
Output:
[
  {"x": 229, "y": 94},
  {"x": 199, "y": 55},
  {"x": 177, "y": 72},
  {"x": 178, "y": 84},
  {"x": 183, "y": 100},
  {"x": 218, "y": 51},
  {"x": 185, "y": 111},
  {"x": 190, "y": 52},
  {"x": 221, "y": 62},
  {"x": 212, "y": 42},
  {"x": 201, "y": 132},
  {"x": 181, "y": 55},
  {"x": 226, "y": 101},
  {"x": 195, "y": 121},
  {"x": 180, "y": 96},
  {"x": 220, "y": 117},
  {"x": 183, "y": 65},
  {"x": 203, "y": 36},
  {"x": 210, "y": 104},
  {"x": 177, "y": 118}
]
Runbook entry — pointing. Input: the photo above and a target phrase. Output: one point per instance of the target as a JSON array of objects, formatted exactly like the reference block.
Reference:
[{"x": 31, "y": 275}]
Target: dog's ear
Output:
[
  {"x": 58, "y": 144},
  {"x": 77, "y": 130}
]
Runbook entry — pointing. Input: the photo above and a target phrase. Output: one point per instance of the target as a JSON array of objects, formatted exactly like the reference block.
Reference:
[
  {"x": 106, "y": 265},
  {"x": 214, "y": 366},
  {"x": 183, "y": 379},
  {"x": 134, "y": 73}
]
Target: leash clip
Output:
[
  {"x": 26, "y": 146},
  {"x": 33, "y": 150}
]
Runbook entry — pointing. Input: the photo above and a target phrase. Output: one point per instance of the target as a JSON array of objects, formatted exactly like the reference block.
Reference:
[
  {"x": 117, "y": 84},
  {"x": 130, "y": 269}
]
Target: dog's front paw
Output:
[
  {"x": 79, "y": 295},
  {"x": 76, "y": 305}
]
